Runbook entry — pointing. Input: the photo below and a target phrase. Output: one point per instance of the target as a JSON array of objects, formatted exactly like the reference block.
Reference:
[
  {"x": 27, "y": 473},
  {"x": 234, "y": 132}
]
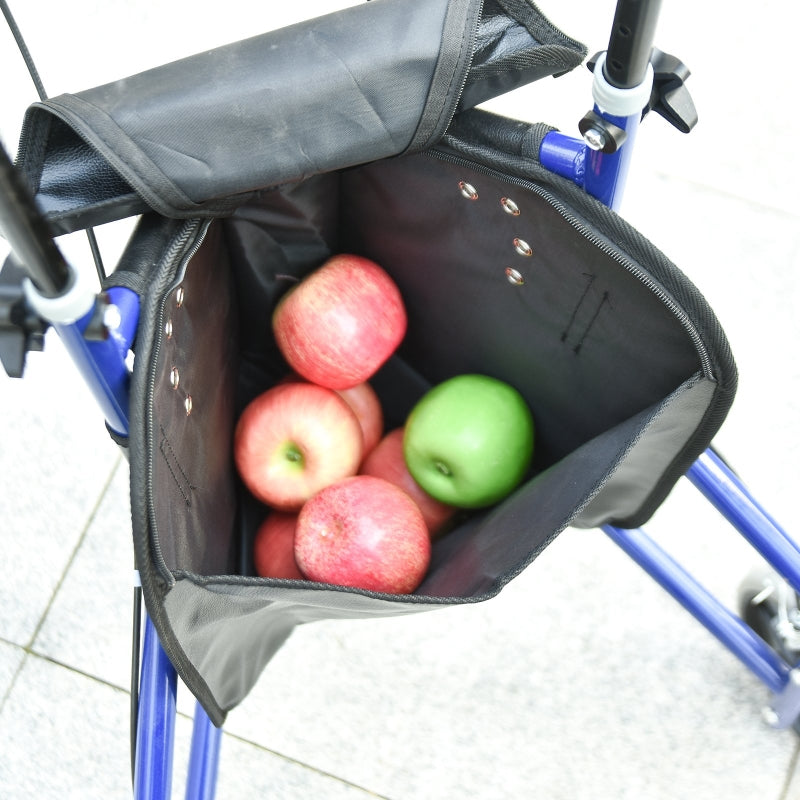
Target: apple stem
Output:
[
  {"x": 294, "y": 454},
  {"x": 443, "y": 468}
]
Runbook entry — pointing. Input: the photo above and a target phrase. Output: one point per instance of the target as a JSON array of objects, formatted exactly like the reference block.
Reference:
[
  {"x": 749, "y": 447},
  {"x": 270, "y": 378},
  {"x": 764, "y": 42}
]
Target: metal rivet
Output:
[
  {"x": 168, "y": 328},
  {"x": 522, "y": 247},
  {"x": 514, "y": 277},
  {"x": 174, "y": 377},
  {"x": 509, "y": 206},
  {"x": 179, "y": 296},
  {"x": 187, "y": 404},
  {"x": 468, "y": 190}
]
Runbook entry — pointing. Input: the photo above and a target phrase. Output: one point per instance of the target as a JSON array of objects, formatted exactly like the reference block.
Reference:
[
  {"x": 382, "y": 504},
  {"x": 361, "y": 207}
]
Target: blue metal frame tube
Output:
[
  {"x": 734, "y": 478},
  {"x": 603, "y": 175},
  {"x": 716, "y": 463},
  {"x": 564, "y": 155},
  {"x": 727, "y": 494},
  {"x": 606, "y": 173},
  {"x": 156, "y": 725},
  {"x": 616, "y": 116},
  {"x": 102, "y": 364},
  {"x": 201, "y": 781},
  {"x": 735, "y": 634}
]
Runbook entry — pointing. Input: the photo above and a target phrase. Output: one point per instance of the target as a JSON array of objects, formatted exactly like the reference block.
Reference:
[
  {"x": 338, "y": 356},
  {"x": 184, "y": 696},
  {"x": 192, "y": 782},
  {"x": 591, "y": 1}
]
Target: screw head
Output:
[
  {"x": 595, "y": 138},
  {"x": 770, "y": 716}
]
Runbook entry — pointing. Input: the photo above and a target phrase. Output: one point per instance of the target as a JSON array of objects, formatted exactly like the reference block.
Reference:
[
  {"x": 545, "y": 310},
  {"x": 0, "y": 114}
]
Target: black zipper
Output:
[
  {"x": 473, "y": 36},
  {"x": 442, "y": 103},
  {"x": 193, "y": 232}
]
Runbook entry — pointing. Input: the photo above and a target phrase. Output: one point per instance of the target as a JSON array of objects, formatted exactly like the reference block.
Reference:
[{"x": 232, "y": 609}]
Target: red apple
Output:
[
  {"x": 366, "y": 405},
  {"x": 273, "y": 547},
  {"x": 341, "y": 323},
  {"x": 363, "y": 532},
  {"x": 386, "y": 461},
  {"x": 293, "y": 440}
]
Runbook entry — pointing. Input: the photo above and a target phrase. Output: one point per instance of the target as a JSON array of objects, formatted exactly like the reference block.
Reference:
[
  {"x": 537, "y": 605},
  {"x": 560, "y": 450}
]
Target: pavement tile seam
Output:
[
  {"x": 87, "y": 524},
  {"x": 30, "y": 653},
  {"x": 791, "y": 775},
  {"x": 17, "y": 671},
  {"x": 302, "y": 764}
]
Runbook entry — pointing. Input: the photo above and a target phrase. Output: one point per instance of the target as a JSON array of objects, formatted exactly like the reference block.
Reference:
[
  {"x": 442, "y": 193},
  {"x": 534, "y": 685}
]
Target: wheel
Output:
[{"x": 771, "y": 608}]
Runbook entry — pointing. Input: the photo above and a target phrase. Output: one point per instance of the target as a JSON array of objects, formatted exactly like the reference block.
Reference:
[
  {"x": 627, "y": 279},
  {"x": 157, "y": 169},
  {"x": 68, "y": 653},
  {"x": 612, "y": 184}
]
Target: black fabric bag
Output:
[{"x": 505, "y": 269}]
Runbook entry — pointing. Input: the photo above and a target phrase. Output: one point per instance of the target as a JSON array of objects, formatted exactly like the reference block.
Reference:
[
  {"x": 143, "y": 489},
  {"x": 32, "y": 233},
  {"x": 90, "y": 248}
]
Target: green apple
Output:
[{"x": 469, "y": 440}]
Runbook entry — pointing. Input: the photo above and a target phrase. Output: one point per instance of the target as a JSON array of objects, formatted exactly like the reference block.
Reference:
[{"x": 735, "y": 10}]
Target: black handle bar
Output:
[
  {"x": 27, "y": 233},
  {"x": 631, "y": 42}
]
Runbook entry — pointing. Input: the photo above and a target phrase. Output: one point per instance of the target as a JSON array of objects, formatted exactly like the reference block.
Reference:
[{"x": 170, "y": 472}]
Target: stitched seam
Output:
[
  {"x": 126, "y": 169},
  {"x": 185, "y": 486}
]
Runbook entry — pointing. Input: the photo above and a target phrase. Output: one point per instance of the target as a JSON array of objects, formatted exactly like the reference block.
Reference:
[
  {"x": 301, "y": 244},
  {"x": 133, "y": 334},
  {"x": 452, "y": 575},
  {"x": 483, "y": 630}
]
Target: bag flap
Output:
[{"x": 196, "y": 136}]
